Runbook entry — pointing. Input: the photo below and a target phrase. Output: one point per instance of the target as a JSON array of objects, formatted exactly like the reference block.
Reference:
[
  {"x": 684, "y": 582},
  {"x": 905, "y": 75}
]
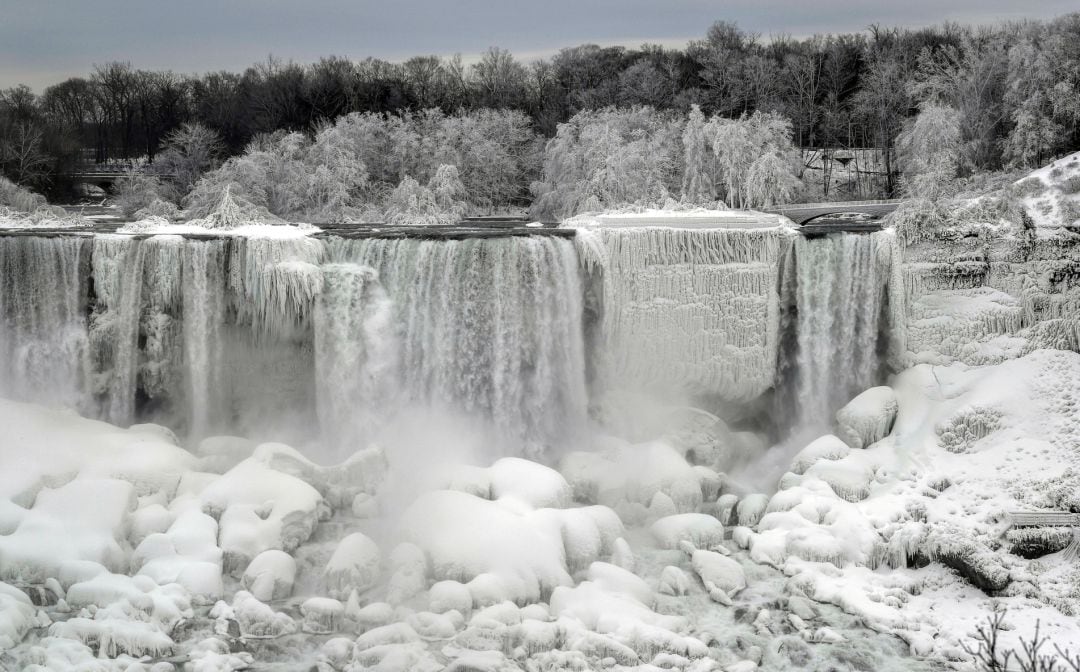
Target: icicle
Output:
[{"x": 274, "y": 283}]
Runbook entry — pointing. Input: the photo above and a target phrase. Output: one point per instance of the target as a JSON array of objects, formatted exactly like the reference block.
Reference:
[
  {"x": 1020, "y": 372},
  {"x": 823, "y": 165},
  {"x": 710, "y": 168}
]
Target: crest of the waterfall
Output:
[
  {"x": 43, "y": 343},
  {"x": 488, "y": 327},
  {"x": 355, "y": 355},
  {"x": 845, "y": 303}
]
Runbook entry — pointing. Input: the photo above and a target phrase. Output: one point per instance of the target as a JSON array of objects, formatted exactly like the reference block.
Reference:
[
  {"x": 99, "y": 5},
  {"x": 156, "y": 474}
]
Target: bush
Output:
[{"x": 1034, "y": 654}]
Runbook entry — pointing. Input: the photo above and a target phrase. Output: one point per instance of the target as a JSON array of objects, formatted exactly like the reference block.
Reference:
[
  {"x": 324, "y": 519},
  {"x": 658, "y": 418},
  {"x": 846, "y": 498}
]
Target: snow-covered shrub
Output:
[
  {"x": 137, "y": 190},
  {"x": 966, "y": 427}
]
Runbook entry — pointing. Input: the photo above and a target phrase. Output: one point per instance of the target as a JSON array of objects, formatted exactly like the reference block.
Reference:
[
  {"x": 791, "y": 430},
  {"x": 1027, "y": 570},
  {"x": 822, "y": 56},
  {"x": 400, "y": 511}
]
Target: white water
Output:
[
  {"x": 355, "y": 354},
  {"x": 204, "y": 317},
  {"x": 488, "y": 327},
  {"x": 43, "y": 341},
  {"x": 842, "y": 298}
]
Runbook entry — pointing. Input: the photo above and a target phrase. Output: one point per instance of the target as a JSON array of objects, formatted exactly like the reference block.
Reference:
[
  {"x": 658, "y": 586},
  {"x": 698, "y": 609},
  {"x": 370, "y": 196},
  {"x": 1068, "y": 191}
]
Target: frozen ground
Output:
[{"x": 121, "y": 550}]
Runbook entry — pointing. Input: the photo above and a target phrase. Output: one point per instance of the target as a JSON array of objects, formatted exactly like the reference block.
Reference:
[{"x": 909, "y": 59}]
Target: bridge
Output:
[{"x": 105, "y": 175}]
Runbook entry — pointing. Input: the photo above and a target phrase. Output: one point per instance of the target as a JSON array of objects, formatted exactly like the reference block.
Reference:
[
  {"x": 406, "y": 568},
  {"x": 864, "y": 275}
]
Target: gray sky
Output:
[{"x": 44, "y": 41}]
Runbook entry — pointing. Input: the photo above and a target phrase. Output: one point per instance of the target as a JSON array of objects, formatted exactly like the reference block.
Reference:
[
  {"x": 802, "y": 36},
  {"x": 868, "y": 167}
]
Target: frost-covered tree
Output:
[
  {"x": 438, "y": 203},
  {"x": 188, "y": 153},
  {"x": 762, "y": 139},
  {"x": 610, "y": 158},
  {"x": 696, "y": 182},
  {"x": 930, "y": 151}
]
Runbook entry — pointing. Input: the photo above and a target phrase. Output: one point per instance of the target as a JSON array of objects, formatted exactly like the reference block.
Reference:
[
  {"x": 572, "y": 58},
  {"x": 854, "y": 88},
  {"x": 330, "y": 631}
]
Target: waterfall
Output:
[
  {"x": 43, "y": 344},
  {"x": 489, "y": 327},
  {"x": 204, "y": 319},
  {"x": 355, "y": 354},
  {"x": 842, "y": 299}
]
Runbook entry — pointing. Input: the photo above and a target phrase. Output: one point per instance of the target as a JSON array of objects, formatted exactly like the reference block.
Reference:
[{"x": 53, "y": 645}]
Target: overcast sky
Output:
[{"x": 44, "y": 41}]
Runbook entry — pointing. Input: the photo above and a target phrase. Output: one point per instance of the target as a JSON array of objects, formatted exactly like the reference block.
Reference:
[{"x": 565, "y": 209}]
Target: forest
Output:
[{"x": 576, "y": 131}]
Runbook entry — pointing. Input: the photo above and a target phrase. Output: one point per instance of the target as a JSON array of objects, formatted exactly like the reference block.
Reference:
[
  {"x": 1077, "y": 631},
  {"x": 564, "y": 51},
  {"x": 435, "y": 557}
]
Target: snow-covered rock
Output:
[
  {"x": 270, "y": 575},
  {"x": 353, "y": 566},
  {"x": 699, "y": 529},
  {"x": 868, "y": 418}
]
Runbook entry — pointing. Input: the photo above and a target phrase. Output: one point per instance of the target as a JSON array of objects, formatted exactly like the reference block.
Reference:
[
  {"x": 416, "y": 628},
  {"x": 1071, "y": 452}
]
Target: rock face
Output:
[{"x": 868, "y": 418}]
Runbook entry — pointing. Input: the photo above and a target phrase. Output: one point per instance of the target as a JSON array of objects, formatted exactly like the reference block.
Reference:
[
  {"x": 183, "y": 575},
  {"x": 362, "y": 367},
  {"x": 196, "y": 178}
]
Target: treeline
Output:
[{"x": 1015, "y": 85}]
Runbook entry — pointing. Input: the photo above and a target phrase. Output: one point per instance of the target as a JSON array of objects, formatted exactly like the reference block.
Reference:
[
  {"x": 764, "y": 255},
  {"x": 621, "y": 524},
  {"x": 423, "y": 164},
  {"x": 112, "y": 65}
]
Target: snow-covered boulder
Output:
[
  {"x": 16, "y": 616},
  {"x": 718, "y": 572},
  {"x": 353, "y": 566},
  {"x": 533, "y": 483},
  {"x": 322, "y": 615},
  {"x": 449, "y": 596},
  {"x": 465, "y": 536},
  {"x": 270, "y": 575},
  {"x": 187, "y": 553},
  {"x": 409, "y": 575},
  {"x": 828, "y": 447},
  {"x": 868, "y": 418},
  {"x": 699, "y": 529},
  {"x": 260, "y": 508},
  {"x": 84, "y": 519},
  {"x": 634, "y": 473},
  {"x": 673, "y": 581}
]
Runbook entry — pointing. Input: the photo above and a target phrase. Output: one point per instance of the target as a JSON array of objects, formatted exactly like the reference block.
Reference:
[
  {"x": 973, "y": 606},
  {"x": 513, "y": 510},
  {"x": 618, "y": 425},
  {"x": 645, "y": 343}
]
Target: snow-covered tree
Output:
[
  {"x": 188, "y": 153},
  {"x": 930, "y": 151},
  {"x": 440, "y": 202},
  {"x": 762, "y": 139},
  {"x": 610, "y": 158},
  {"x": 696, "y": 182}
]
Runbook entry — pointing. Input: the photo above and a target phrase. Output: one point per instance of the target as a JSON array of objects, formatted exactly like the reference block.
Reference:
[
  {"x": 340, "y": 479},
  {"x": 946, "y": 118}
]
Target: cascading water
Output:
[
  {"x": 243, "y": 333},
  {"x": 264, "y": 335},
  {"x": 204, "y": 304},
  {"x": 489, "y": 327},
  {"x": 114, "y": 326},
  {"x": 842, "y": 285},
  {"x": 43, "y": 342},
  {"x": 355, "y": 353}
]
